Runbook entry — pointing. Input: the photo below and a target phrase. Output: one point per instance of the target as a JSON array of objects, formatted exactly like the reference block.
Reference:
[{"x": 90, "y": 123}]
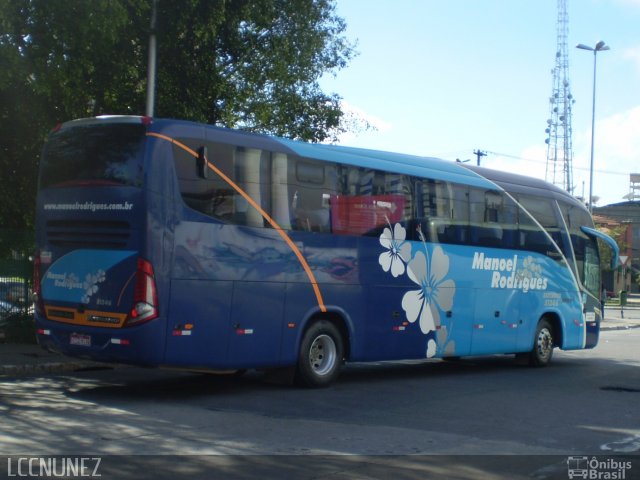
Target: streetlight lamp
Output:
[{"x": 600, "y": 46}]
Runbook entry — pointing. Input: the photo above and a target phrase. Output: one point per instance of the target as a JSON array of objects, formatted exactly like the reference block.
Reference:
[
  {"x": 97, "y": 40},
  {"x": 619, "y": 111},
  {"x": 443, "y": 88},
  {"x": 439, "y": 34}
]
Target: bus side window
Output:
[
  {"x": 252, "y": 174},
  {"x": 458, "y": 230},
  {"x": 441, "y": 212},
  {"x": 574, "y": 218},
  {"x": 209, "y": 193},
  {"x": 195, "y": 191},
  {"x": 281, "y": 198},
  {"x": 486, "y": 211},
  {"x": 532, "y": 238},
  {"x": 368, "y": 201},
  {"x": 509, "y": 221},
  {"x": 313, "y": 184}
]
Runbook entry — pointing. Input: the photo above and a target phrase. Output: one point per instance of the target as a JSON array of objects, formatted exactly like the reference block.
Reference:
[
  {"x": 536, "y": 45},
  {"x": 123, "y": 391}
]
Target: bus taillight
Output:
[{"x": 145, "y": 298}]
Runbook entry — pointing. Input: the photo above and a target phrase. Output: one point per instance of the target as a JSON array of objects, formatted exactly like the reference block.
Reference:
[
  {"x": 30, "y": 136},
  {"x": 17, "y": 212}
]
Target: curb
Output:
[
  {"x": 50, "y": 367},
  {"x": 620, "y": 327},
  {"x": 58, "y": 367}
]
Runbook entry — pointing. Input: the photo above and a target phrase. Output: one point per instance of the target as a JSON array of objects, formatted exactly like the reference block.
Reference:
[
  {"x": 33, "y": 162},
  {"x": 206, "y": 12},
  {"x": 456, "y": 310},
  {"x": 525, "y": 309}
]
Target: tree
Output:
[
  {"x": 251, "y": 64},
  {"x": 618, "y": 233}
]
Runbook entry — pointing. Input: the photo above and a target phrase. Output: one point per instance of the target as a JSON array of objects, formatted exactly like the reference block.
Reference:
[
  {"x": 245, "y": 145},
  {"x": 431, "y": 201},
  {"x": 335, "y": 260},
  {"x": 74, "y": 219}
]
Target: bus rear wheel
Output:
[
  {"x": 321, "y": 355},
  {"x": 543, "y": 344}
]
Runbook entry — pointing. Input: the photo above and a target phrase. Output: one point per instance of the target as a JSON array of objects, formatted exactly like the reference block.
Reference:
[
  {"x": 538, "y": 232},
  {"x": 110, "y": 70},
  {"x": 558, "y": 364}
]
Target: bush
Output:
[{"x": 19, "y": 328}]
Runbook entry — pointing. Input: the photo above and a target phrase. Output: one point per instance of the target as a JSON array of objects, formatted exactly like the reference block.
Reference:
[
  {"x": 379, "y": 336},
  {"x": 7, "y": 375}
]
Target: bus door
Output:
[{"x": 493, "y": 220}]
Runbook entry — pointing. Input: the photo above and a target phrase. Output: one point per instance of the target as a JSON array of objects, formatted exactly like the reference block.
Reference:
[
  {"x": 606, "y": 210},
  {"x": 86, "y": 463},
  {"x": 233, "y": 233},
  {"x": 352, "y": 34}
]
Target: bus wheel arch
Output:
[
  {"x": 324, "y": 345},
  {"x": 558, "y": 333},
  {"x": 547, "y": 336}
]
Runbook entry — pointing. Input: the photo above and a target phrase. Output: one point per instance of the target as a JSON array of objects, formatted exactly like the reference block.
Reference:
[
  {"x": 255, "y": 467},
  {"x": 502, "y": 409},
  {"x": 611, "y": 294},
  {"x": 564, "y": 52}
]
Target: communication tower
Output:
[{"x": 559, "y": 145}]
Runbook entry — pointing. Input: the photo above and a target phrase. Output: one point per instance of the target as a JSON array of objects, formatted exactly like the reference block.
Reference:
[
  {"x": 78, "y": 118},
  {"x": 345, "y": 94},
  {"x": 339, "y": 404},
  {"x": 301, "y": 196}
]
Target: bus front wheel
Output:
[
  {"x": 321, "y": 355},
  {"x": 543, "y": 344}
]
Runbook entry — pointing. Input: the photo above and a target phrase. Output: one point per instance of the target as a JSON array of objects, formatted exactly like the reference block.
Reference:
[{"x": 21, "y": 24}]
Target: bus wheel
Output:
[
  {"x": 543, "y": 344},
  {"x": 320, "y": 357}
]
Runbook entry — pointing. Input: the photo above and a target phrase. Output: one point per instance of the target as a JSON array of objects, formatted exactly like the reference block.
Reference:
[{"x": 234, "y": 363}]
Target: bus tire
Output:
[
  {"x": 321, "y": 354},
  {"x": 543, "y": 344}
]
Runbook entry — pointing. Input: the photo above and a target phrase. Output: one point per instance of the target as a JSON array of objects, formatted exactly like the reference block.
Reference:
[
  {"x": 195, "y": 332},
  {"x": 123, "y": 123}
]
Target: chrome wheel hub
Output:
[{"x": 322, "y": 354}]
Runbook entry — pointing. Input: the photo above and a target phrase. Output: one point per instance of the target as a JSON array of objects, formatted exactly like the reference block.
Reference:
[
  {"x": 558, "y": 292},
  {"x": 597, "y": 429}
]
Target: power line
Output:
[{"x": 586, "y": 169}]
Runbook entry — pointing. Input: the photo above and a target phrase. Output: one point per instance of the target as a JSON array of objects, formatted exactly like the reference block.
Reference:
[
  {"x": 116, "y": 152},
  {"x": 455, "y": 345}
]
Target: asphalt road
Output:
[{"x": 477, "y": 418}]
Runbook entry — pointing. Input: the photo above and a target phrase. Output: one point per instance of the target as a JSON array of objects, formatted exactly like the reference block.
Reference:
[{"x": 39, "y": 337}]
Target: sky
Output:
[{"x": 446, "y": 78}]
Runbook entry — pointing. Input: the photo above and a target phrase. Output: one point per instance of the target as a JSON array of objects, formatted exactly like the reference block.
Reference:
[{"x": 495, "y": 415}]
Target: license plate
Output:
[{"x": 80, "y": 339}]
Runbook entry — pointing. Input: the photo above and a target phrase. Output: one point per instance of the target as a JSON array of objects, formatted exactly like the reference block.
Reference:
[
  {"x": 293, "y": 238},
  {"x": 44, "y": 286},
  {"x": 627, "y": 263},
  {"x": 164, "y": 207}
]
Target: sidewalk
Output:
[
  {"x": 616, "y": 318},
  {"x": 27, "y": 359},
  {"x": 631, "y": 320}
]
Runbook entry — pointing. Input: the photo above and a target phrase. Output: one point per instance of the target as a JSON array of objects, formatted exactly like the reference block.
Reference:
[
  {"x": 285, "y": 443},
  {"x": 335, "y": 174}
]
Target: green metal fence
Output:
[{"x": 16, "y": 280}]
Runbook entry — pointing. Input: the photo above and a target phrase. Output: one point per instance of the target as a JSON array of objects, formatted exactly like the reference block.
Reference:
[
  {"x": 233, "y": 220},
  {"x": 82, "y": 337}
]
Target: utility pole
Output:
[{"x": 479, "y": 154}]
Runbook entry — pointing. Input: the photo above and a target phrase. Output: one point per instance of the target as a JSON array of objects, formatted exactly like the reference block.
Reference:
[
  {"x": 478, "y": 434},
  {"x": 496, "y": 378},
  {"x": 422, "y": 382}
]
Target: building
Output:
[{"x": 624, "y": 214}]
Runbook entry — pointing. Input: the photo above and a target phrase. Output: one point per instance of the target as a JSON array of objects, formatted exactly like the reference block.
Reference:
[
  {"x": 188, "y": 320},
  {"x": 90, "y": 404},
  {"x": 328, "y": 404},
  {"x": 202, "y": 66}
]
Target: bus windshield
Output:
[
  {"x": 591, "y": 269},
  {"x": 91, "y": 154}
]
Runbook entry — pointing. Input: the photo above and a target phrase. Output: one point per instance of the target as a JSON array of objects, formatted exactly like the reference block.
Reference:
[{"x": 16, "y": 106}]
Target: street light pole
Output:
[
  {"x": 151, "y": 62},
  {"x": 600, "y": 46}
]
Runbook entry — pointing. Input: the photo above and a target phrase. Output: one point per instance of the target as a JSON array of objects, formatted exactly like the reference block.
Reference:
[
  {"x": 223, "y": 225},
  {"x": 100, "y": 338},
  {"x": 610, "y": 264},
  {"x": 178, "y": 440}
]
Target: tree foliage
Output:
[
  {"x": 618, "y": 233},
  {"x": 251, "y": 64}
]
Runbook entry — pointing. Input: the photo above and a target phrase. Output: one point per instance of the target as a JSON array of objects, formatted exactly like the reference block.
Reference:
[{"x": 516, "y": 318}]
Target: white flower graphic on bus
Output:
[
  {"x": 428, "y": 272},
  {"x": 398, "y": 250},
  {"x": 435, "y": 293},
  {"x": 90, "y": 284}
]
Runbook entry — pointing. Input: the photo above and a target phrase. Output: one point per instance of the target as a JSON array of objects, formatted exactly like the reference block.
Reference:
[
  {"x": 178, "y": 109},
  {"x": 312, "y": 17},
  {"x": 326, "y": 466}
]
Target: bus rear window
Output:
[{"x": 106, "y": 154}]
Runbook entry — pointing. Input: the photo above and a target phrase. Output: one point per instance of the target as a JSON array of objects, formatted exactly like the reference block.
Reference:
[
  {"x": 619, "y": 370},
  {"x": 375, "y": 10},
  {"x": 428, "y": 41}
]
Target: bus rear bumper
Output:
[
  {"x": 130, "y": 346},
  {"x": 592, "y": 334}
]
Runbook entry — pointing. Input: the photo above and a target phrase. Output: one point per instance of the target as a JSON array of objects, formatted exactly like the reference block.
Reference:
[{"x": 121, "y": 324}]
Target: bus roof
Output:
[
  {"x": 515, "y": 182},
  {"x": 427, "y": 167}
]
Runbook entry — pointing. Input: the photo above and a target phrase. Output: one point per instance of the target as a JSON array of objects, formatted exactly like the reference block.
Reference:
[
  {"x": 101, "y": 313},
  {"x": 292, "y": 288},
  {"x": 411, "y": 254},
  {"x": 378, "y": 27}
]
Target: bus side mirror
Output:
[{"x": 201, "y": 163}]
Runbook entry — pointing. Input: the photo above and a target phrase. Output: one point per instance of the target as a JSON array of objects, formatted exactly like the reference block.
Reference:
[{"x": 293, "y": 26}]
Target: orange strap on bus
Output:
[{"x": 265, "y": 215}]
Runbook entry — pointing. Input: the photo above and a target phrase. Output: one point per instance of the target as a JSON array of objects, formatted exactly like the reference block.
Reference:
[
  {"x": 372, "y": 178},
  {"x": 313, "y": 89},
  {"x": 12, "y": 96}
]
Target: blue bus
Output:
[{"x": 174, "y": 244}]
